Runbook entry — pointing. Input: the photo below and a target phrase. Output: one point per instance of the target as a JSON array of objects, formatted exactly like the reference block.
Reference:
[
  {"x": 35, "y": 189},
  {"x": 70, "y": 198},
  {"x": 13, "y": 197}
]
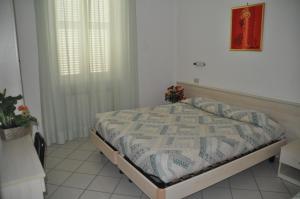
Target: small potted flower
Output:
[
  {"x": 14, "y": 123},
  {"x": 174, "y": 94}
]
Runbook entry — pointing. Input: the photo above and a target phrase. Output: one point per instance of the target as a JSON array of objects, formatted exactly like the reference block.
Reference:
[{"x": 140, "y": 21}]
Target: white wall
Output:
[
  {"x": 28, "y": 53},
  {"x": 156, "y": 26},
  {"x": 9, "y": 62},
  {"x": 204, "y": 34}
]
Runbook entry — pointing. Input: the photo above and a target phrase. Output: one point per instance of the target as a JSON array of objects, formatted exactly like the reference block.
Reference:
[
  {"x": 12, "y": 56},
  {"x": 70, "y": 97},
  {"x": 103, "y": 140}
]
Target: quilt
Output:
[{"x": 174, "y": 140}]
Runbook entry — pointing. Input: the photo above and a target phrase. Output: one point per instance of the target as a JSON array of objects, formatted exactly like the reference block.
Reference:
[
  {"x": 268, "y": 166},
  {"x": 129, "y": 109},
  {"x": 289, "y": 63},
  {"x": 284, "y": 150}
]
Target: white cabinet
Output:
[
  {"x": 22, "y": 175},
  {"x": 289, "y": 165}
]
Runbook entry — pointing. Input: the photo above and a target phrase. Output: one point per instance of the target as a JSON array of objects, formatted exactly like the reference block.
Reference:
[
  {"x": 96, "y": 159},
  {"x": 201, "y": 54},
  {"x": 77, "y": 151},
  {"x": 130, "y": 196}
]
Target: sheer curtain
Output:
[{"x": 87, "y": 57}]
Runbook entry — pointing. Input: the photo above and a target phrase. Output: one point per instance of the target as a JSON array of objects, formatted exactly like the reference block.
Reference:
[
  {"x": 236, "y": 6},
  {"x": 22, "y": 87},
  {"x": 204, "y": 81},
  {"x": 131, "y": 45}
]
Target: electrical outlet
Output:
[
  {"x": 199, "y": 64},
  {"x": 196, "y": 80}
]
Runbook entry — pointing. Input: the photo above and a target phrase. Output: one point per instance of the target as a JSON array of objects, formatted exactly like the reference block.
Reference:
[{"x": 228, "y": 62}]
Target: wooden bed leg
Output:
[
  {"x": 161, "y": 194},
  {"x": 272, "y": 159}
]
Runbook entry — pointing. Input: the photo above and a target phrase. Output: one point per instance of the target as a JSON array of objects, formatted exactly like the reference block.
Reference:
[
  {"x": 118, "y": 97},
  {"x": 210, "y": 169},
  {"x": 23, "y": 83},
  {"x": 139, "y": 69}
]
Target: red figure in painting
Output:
[{"x": 246, "y": 30}]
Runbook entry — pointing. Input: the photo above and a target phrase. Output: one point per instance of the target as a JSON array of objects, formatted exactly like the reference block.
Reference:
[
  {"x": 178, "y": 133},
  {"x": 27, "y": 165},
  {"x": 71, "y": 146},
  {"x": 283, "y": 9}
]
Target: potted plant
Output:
[
  {"x": 14, "y": 123},
  {"x": 174, "y": 94}
]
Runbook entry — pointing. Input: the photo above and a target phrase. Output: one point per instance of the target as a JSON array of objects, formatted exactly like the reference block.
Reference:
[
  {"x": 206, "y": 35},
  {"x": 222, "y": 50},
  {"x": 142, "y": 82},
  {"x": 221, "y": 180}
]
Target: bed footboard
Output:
[
  {"x": 103, "y": 147},
  {"x": 201, "y": 181}
]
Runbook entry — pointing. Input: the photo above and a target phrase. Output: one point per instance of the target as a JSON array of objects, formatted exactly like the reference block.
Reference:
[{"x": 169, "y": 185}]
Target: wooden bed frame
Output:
[
  {"x": 281, "y": 110},
  {"x": 110, "y": 153}
]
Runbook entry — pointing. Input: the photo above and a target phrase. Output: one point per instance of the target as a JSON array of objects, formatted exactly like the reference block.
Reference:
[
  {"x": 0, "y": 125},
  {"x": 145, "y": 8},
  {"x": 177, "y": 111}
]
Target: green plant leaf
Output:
[{"x": 8, "y": 118}]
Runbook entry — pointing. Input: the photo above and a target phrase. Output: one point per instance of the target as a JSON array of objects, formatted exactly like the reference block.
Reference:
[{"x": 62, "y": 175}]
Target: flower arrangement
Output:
[
  {"x": 9, "y": 118},
  {"x": 174, "y": 94}
]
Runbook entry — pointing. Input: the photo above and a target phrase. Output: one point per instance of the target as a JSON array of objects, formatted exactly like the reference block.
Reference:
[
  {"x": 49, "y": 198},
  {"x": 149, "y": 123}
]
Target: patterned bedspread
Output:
[{"x": 171, "y": 141}]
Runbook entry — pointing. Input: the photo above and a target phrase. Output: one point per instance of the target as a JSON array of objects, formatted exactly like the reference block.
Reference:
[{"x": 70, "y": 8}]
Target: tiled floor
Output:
[{"x": 76, "y": 170}]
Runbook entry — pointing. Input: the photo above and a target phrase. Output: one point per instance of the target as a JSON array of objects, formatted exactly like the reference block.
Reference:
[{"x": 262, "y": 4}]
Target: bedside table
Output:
[{"x": 289, "y": 163}]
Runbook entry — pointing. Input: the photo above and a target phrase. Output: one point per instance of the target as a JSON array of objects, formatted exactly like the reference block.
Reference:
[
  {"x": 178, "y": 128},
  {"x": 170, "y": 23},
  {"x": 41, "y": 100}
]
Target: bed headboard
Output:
[{"x": 286, "y": 113}]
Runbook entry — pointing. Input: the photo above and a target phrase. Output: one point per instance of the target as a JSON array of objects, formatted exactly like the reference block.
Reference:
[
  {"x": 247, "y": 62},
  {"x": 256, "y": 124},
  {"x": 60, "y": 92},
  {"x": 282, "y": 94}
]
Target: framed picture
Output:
[{"x": 247, "y": 27}]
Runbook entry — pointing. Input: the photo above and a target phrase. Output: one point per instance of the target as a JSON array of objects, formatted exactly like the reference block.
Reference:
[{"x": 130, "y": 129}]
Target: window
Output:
[{"x": 83, "y": 42}]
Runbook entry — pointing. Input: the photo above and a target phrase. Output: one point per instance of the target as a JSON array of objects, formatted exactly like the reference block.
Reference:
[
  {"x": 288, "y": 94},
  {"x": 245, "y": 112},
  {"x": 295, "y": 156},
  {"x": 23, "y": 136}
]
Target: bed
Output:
[{"x": 174, "y": 150}]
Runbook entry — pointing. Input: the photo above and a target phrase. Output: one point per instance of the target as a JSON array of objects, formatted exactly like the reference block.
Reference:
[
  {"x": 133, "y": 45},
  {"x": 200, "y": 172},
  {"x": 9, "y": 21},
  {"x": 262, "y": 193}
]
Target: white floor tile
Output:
[
  {"x": 79, "y": 155},
  {"x": 57, "y": 177},
  {"x": 245, "y": 194},
  {"x": 71, "y": 145},
  {"x": 97, "y": 157},
  {"x": 270, "y": 184},
  {"x": 88, "y": 146},
  {"x": 293, "y": 189},
  {"x": 47, "y": 170},
  {"x": 197, "y": 195},
  {"x": 265, "y": 169},
  {"x": 55, "y": 146},
  {"x": 273, "y": 195},
  {"x": 51, "y": 162},
  {"x": 216, "y": 193},
  {"x": 104, "y": 184},
  {"x": 222, "y": 184},
  {"x": 90, "y": 167},
  {"x": 110, "y": 170},
  {"x": 115, "y": 196},
  {"x": 61, "y": 153},
  {"x": 49, "y": 150},
  {"x": 68, "y": 165},
  {"x": 82, "y": 139},
  {"x": 49, "y": 190},
  {"x": 78, "y": 180},
  {"x": 66, "y": 193},
  {"x": 127, "y": 188},
  {"x": 51, "y": 147},
  {"x": 243, "y": 180},
  {"x": 94, "y": 195}
]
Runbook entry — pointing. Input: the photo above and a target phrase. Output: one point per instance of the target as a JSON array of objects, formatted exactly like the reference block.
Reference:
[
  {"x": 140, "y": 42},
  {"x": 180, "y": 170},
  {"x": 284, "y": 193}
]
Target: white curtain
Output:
[{"x": 87, "y": 57}]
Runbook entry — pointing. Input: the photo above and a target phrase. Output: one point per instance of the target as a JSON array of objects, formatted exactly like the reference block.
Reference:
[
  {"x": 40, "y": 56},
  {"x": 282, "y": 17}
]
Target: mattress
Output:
[{"x": 175, "y": 140}]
